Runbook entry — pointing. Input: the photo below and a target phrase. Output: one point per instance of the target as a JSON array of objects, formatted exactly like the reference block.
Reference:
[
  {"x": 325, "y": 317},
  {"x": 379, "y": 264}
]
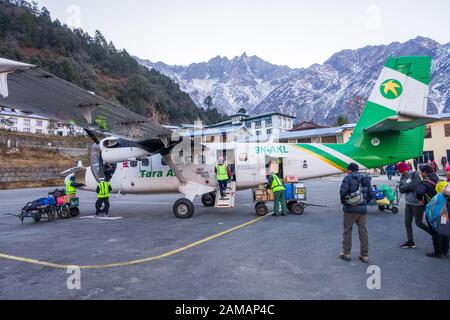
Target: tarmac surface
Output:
[{"x": 218, "y": 254}]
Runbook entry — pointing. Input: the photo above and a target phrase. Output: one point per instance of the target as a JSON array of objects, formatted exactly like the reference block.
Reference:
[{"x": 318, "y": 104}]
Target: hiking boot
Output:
[
  {"x": 408, "y": 245},
  {"x": 437, "y": 256},
  {"x": 345, "y": 257},
  {"x": 364, "y": 259}
]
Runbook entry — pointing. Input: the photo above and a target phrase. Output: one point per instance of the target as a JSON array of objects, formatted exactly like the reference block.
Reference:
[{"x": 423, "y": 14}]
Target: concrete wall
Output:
[
  {"x": 29, "y": 174},
  {"x": 17, "y": 140}
]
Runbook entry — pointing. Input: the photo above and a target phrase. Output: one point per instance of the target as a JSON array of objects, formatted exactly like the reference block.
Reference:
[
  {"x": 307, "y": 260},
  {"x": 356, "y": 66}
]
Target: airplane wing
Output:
[
  {"x": 32, "y": 90},
  {"x": 401, "y": 122}
]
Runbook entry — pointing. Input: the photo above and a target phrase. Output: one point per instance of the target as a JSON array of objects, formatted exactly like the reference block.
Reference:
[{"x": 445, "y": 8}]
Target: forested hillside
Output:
[{"x": 28, "y": 34}]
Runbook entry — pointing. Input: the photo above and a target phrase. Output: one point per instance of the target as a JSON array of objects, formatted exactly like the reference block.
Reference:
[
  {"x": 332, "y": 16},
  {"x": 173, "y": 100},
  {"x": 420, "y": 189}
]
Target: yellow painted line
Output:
[
  {"x": 132, "y": 262},
  {"x": 322, "y": 158}
]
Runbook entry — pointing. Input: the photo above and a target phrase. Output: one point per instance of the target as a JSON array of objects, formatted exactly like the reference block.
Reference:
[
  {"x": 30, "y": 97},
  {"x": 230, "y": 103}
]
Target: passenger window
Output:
[
  {"x": 164, "y": 162},
  {"x": 146, "y": 162},
  {"x": 133, "y": 164}
]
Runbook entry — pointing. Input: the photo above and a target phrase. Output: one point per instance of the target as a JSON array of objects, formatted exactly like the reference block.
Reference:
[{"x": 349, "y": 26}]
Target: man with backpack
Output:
[
  {"x": 409, "y": 182},
  {"x": 425, "y": 194},
  {"x": 356, "y": 191}
]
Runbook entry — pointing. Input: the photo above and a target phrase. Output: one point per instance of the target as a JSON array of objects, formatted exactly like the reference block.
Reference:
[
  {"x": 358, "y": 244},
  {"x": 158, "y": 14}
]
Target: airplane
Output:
[{"x": 147, "y": 158}]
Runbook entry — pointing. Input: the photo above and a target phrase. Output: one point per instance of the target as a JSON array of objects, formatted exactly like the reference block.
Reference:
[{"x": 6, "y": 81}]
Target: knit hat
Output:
[
  {"x": 403, "y": 167},
  {"x": 426, "y": 168},
  {"x": 447, "y": 169},
  {"x": 353, "y": 167}
]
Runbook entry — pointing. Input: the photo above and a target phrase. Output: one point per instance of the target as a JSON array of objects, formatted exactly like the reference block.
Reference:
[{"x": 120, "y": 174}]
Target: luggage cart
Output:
[
  {"x": 36, "y": 210},
  {"x": 295, "y": 194},
  {"x": 393, "y": 205}
]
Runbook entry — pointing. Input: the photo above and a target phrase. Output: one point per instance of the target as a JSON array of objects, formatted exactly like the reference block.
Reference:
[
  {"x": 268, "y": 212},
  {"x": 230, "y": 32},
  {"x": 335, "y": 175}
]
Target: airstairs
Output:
[{"x": 230, "y": 197}]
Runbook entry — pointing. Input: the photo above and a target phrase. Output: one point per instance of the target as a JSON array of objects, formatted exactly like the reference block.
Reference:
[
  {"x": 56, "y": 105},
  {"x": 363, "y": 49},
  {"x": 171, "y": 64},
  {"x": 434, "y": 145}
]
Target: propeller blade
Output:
[{"x": 92, "y": 136}]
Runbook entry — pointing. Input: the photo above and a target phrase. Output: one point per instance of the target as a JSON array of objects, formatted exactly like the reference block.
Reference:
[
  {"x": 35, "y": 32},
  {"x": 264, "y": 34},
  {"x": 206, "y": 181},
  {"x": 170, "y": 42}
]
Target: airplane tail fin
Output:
[{"x": 391, "y": 127}]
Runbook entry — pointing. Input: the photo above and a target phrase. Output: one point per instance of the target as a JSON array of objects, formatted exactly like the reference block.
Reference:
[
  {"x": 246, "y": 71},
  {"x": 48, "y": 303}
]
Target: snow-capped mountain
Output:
[
  {"x": 342, "y": 85},
  {"x": 242, "y": 82},
  {"x": 319, "y": 93}
]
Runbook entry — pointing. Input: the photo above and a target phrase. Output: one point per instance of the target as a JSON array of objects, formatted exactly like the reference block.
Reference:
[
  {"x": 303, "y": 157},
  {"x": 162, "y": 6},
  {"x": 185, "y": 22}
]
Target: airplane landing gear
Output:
[
  {"x": 183, "y": 209},
  {"x": 209, "y": 199}
]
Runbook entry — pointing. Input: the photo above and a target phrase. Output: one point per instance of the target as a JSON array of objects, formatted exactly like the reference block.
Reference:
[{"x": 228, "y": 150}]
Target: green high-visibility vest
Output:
[
  {"x": 222, "y": 172},
  {"x": 69, "y": 189},
  {"x": 277, "y": 185},
  {"x": 104, "y": 190}
]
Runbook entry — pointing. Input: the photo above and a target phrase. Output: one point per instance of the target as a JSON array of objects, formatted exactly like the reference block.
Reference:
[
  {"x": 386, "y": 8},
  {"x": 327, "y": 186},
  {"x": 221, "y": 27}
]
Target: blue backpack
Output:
[{"x": 437, "y": 215}]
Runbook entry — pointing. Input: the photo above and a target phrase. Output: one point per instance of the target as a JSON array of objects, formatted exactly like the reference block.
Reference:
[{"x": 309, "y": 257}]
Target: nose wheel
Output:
[{"x": 183, "y": 209}]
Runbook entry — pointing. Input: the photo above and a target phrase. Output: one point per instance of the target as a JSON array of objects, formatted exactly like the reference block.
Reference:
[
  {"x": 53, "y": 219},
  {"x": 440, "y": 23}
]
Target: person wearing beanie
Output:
[
  {"x": 447, "y": 172},
  {"x": 425, "y": 192},
  {"x": 409, "y": 182},
  {"x": 356, "y": 191}
]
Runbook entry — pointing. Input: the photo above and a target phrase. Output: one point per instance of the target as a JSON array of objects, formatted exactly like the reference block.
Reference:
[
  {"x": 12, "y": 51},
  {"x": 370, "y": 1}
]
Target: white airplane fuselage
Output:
[{"x": 251, "y": 161}]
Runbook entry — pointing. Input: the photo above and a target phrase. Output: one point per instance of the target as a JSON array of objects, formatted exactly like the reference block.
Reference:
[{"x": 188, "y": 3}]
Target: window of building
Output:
[
  {"x": 269, "y": 131},
  {"x": 258, "y": 124},
  {"x": 38, "y": 131},
  {"x": 26, "y": 122},
  {"x": 447, "y": 130},
  {"x": 269, "y": 122},
  {"x": 26, "y": 130},
  {"x": 306, "y": 140},
  {"x": 428, "y": 132},
  {"x": 146, "y": 162},
  {"x": 332, "y": 139},
  {"x": 39, "y": 123},
  {"x": 51, "y": 132},
  {"x": 258, "y": 133},
  {"x": 14, "y": 129},
  {"x": 248, "y": 125},
  {"x": 13, "y": 120},
  {"x": 425, "y": 157}
]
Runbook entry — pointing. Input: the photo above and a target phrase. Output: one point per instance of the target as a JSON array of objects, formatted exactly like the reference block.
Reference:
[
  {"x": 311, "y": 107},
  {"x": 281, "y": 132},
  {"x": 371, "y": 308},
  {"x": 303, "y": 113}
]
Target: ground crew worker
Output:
[
  {"x": 71, "y": 188},
  {"x": 103, "y": 191},
  {"x": 223, "y": 175},
  {"x": 276, "y": 184}
]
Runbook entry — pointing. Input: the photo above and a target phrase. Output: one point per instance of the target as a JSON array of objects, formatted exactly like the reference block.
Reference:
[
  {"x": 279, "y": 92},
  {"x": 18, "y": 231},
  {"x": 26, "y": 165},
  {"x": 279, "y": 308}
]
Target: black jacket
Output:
[
  {"x": 426, "y": 189},
  {"x": 350, "y": 185}
]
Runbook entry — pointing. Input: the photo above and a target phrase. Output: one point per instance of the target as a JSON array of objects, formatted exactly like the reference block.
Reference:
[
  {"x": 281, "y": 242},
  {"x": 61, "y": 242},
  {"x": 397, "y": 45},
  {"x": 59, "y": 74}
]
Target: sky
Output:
[{"x": 296, "y": 33}]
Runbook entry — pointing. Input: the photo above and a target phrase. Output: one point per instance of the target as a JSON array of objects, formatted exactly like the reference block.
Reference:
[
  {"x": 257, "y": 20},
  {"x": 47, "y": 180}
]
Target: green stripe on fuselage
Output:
[{"x": 328, "y": 156}]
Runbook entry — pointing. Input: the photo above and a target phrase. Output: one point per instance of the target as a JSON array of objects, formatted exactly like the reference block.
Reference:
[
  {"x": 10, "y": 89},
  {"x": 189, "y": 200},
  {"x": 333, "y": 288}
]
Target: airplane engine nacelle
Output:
[{"x": 116, "y": 150}]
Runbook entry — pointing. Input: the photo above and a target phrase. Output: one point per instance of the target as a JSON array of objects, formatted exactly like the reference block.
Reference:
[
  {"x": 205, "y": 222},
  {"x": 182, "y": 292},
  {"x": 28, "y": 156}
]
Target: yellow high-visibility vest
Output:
[
  {"x": 69, "y": 189},
  {"x": 222, "y": 172},
  {"x": 277, "y": 185},
  {"x": 104, "y": 190}
]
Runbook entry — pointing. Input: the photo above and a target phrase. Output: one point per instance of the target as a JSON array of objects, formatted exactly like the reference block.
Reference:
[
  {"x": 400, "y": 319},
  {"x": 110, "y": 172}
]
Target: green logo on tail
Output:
[{"x": 391, "y": 89}]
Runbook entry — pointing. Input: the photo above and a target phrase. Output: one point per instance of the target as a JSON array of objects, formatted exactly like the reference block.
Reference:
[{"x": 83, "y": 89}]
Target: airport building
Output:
[
  {"x": 16, "y": 121},
  {"x": 259, "y": 125}
]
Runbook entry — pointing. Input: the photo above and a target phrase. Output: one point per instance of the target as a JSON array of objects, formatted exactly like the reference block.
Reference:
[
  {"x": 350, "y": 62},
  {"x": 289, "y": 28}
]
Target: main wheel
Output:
[
  {"x": 209, "y": 200},
  {"x": 64, "y": 213},
  {"x": 183, "y": 209},
  {"x": 261, "y": 209},
  {"x": 297, "y": 209},
  {"x": 395, "y": 210},
  {"x": 74, "y": 212}
]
